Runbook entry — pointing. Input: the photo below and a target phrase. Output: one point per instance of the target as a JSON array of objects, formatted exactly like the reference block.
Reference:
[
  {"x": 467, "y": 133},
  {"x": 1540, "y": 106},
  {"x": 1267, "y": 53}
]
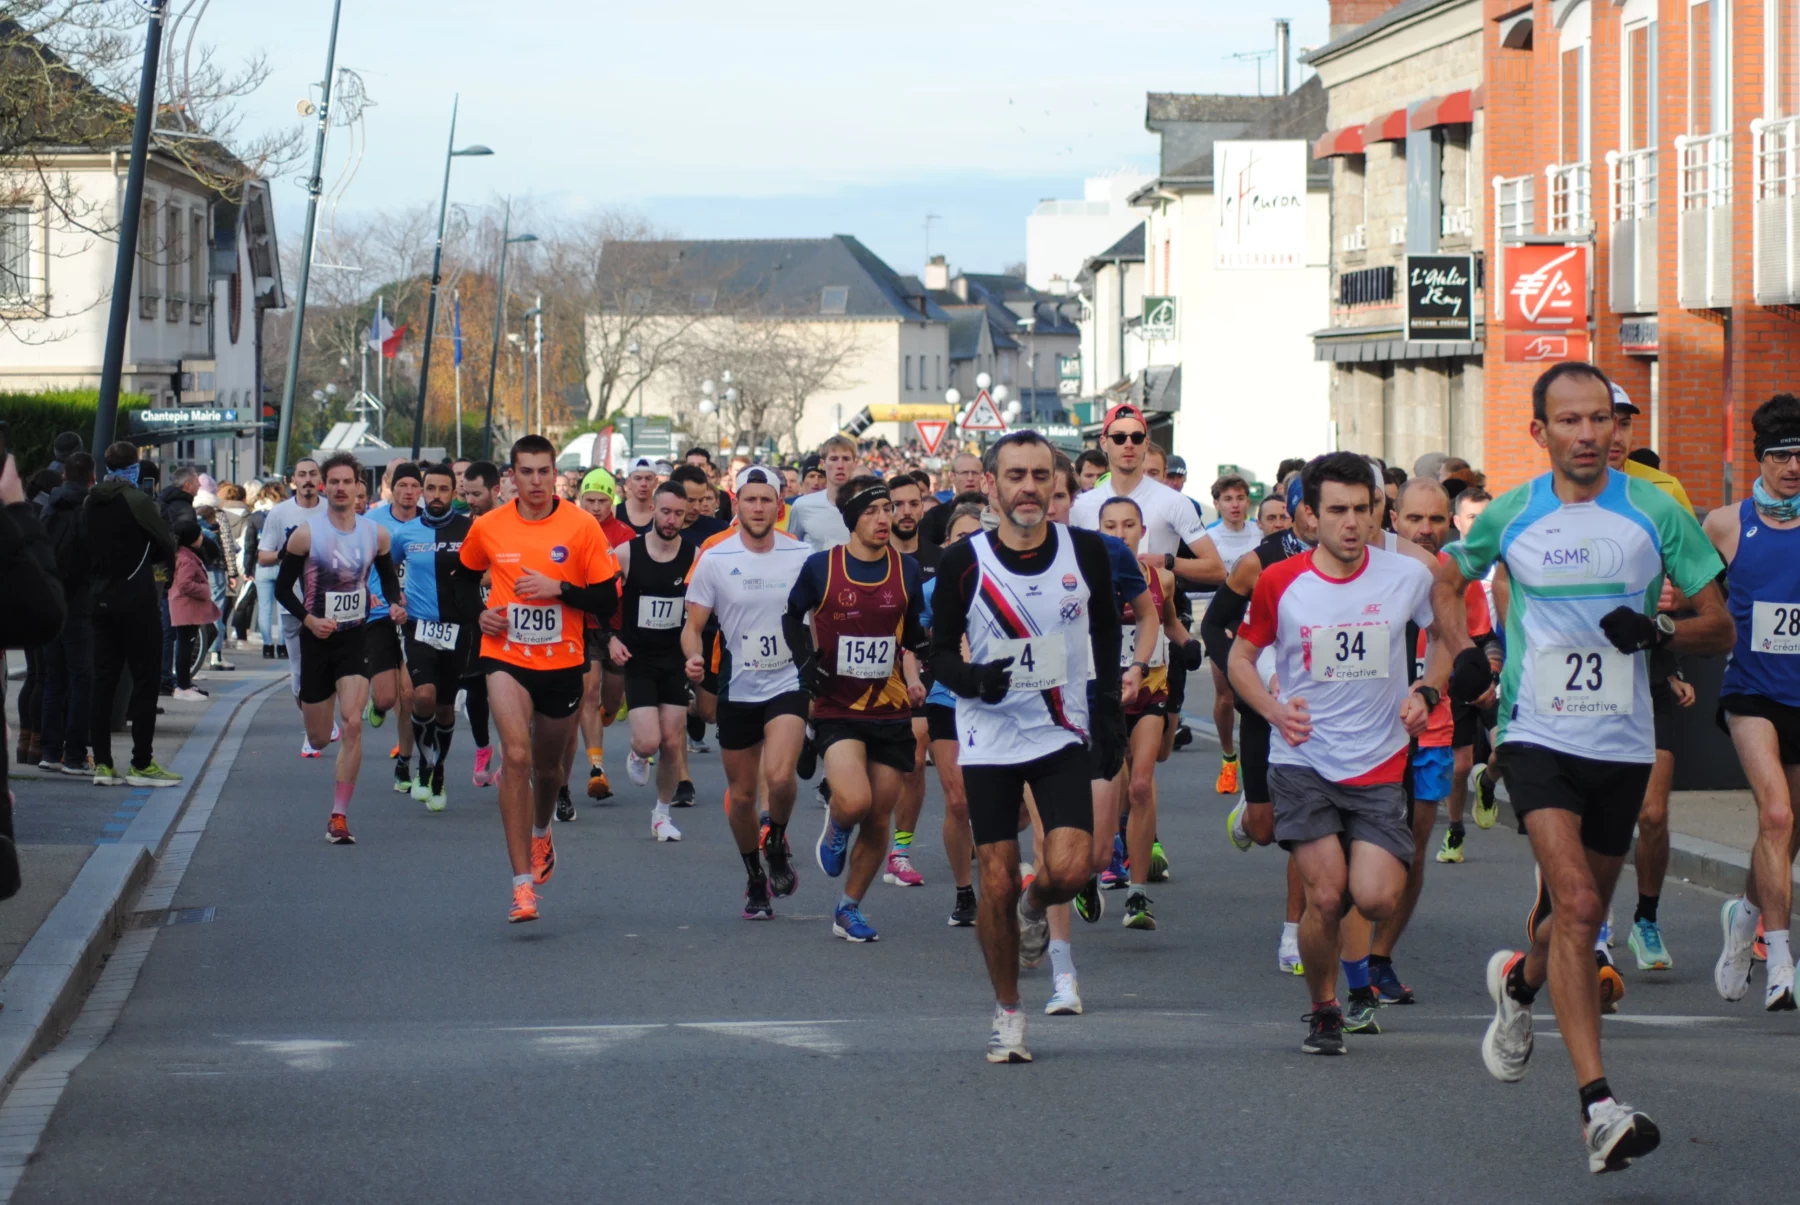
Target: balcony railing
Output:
[
  {"x": 1631, "y": 210},
  {"x": 1571, "y": 189},
  {"x": 1357, "y": 239},
  {"x": 1458, "y": 221},
  {"x": 1703, "y": 229},
  {"x": 1777, "y": 211},
  {"x": 1515, "y": 216}
]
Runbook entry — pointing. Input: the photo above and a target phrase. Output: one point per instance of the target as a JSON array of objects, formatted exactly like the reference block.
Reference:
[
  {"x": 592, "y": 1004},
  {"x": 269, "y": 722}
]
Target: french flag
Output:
[{"x": 383, "y": 335}]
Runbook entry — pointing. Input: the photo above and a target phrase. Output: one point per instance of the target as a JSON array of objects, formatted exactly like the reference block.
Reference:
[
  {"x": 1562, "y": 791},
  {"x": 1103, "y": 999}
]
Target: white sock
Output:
[
  {"x": 539, "y": 832},
  {"x": 1136, "y": 889},
  {"x": 1743, "y": 921},
  {"x": 1062, "y": 959},
  {"x": 662, "y": 809},
  {"x": 1290, "y": 931},
  {"x": 1777, "y": 941},
  {"x": 521, "y": 880}
]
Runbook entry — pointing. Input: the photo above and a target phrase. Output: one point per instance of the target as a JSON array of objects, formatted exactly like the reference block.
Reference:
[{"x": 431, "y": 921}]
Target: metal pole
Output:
[
  {"x": 437, "y": 262},
  {"x": 380, "y": 373},
  {"x": 487, "y": 427},
  {"x": 540, "y": 362},
  {"x": 315, "y": 184},
  {"x": 107, "y": 412}
]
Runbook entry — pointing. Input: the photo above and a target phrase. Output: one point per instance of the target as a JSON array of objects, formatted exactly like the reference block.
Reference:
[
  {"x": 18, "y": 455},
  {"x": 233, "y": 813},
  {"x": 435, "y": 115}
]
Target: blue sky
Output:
[{"x": 787, "y": 118}]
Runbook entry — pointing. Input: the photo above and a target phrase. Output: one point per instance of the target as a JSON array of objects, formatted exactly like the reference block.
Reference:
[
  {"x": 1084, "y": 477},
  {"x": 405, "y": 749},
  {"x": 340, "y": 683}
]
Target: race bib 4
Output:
[{"x": 1039, "y": 662}]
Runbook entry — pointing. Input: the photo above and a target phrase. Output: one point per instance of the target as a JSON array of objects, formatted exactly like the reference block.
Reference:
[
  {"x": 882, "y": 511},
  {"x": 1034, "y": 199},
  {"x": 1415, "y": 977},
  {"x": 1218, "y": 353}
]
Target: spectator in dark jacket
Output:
[
  {"x": 69, "y": 659},
  {"x": 33, "y": 615},
  {"x": 128, "y": 544},
  {"x": 31, "y": 692}
]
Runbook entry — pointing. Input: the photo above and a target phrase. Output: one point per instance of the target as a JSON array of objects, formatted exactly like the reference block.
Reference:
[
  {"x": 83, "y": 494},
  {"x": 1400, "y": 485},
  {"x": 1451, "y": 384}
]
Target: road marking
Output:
[
  {"x": 302, "y": 1054},
  {"x": 799, "y": 1035}
]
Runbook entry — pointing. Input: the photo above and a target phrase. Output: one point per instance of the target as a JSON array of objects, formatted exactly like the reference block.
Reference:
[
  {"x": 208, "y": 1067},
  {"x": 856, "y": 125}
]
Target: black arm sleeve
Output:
[
  {"x": 1218, "y": 627},
  {"x": 1103, "y": 611},
  {"x": 950, "y": 619},
  {"x": 912, "y": 632},
  {"x": 35, "y": 607},
  {"x": 390, "y": 581},
  {"x": 599, "y": 599},
  {"x": 293, "y": 567}
]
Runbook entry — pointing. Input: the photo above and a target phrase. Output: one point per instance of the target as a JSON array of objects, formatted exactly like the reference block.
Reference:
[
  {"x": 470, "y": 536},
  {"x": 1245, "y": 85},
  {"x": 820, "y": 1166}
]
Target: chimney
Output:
[
  {"x": 1347, "y": 15},
  {"x": 1282, "y": 56},
  {"x": 937, "y": 273}
]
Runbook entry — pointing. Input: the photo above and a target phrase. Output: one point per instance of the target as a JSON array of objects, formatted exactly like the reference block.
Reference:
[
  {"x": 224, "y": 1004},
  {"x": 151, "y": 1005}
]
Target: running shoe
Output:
[
  {"x": 833, "y": 848},
  {"x": 421, "y": 783},
  {"x": 306, "y": 750},
  {"x": 808, "y": 765},
  {"x": 105, "y": 777},
  {"x": 598, "y": 787},
  {"x": 1227, "y": 783},
  {"x": 684, "y": 795},
  {"x": 524, "y": 905},
  {"x": 963, "y": 914},
  {"x": 190, "y": 694},
  {"x": 1647, "y": 943},
  {"x": 1612, "y": 984},
  {"x": 698, "y": 746},
  {"x": 1065, "y": 1000},
  {"x": 663, "y": 828},
  {"x": 900, "y": 872},
  {"x": 482, "y": 758},
  {"x": 334, "y": 733},
  {"x": 1034, "y": 936},
  {"x": 1137, "y": 912},
  {"x": 783, "y": 880},
  {"x": 82, "y": 769},
  {"x": 151, "y": 775},
  {"x": 1487, "y": 808},
  {"x": 565, "y": 805},
  {"x": 1159, "y": 864},
  {"x": 371, "y": 717},
  {"x": 393, "y": 754},
  {"x": 438, "y": 800},
  {"x": 337, "y": 830},
  {"x": 1117, "y": 873},
  {"x": 1184, "y": 736},
  {"x": 1506, "y": 1047},
  {"x": 756, "y": 900},
  {"x": 1006, "y": 1041},
  {"x": 1779, "y": 997},
  {"x": 543, "y": 859},
  {"x": 849, "y": 924},
  {"x": 1387, "y": 986},
  {"x": 1731, "y": 974},
  {"x": 1608, "y": 937},
  {"x": 637, "y": 769},
  {"x": 1326, "y": 1036},
  {"x": 1287, "y": 957},
  {"x": 1451, "y": 849},
  {"x": 1616, "y": 1134},
  {"x": 403, "y": 777},
  {"x": 1759, "y": 949},
  {"x": 1234, "y": 825},
  {"x": 1090, "y": 905},
  {"x": 1359, "y": 1012}
]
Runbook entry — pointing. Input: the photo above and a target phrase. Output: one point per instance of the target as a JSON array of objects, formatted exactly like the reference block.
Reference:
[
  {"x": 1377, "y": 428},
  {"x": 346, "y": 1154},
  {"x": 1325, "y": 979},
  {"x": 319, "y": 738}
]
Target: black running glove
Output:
[
  {"x": 1191, "y": 655},
  {"x": 1630, "y": 630},
  {"x": 1109, "y": 737},
  {"x": 986, "y": 680},
  {"x": 814, "y": 677},
  {"x": 1470, "y": 676}
]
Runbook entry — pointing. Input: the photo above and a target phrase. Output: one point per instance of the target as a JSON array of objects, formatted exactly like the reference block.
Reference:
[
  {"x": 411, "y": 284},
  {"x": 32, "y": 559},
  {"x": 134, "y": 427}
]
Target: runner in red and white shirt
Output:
[{"x": 1336, "y": 619}]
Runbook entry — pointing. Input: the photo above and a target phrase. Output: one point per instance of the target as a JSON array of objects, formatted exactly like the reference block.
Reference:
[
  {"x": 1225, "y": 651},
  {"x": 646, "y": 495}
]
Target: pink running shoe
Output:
[
  {"x": 900, "y": 872},
  {"x": 482, "y": 777}
]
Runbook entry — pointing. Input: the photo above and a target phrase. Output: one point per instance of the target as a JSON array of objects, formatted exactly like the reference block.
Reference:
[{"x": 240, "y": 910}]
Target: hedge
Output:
[{"x": 36, "y": 419}]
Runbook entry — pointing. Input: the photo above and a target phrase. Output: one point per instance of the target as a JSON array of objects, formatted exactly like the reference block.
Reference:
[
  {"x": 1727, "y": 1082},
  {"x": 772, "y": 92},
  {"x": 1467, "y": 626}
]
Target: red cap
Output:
[{"x": 1123, "y": 410}]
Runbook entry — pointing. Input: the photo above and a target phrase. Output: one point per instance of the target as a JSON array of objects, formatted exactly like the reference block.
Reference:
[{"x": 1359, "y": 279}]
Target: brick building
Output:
[{"x": 1664, "y": 135}]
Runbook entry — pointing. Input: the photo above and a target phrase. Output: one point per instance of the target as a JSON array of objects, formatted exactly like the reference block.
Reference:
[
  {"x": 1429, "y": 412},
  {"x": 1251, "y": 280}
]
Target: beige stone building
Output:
[{"x": 1404, "y": 143}]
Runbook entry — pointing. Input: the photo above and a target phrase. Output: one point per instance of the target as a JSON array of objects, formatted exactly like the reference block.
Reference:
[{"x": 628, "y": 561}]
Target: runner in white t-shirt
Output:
[
  {"x": 278, "y": 525},
  {"x": 1234, "y": 537},
  {"x": 1336, "y": 618}
]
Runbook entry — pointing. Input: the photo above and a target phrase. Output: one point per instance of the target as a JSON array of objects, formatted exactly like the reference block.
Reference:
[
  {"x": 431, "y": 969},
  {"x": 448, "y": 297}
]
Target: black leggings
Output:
[
  {"x": 476, "y": 704},
  {"x": 186, "y": 636},
  {"x": 31, "y": 694}
]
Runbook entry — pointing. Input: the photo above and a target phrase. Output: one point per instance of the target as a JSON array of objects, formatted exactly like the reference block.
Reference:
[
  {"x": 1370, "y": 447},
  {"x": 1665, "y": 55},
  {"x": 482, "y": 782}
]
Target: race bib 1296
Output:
[{"x": 528, "y": 624}]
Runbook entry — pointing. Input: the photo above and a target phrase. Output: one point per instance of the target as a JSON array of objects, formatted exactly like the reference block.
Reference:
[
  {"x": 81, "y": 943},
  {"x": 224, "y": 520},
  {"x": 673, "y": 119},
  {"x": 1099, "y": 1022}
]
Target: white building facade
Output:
[{"x": 1061, "y": 235}]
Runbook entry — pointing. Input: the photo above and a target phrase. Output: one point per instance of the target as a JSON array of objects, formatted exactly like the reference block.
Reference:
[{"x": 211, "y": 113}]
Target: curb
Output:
[
  {"x": 44, "y": 989},
  {"x": 1699, "y": 861}
]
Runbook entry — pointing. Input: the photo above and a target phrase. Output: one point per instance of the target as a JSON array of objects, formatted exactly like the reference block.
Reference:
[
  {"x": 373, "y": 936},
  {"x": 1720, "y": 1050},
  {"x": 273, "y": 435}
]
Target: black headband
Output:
[
  {"x": 407, "y": 470},
  {"x": 853, "y": 507},
  {"x": 1785, "y": 440}
]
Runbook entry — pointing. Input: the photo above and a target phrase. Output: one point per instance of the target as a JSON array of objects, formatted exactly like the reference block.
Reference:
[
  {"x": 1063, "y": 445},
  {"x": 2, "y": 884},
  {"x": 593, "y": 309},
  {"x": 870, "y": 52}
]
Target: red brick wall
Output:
[{"x": 1347, "y": 14}]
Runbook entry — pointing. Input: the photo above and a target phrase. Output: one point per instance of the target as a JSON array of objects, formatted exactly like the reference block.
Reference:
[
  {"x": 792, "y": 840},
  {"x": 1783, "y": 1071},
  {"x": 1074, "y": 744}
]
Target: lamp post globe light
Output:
[
  {"x": 953, "y": 397},
  {"x": 983, "y": 380}
]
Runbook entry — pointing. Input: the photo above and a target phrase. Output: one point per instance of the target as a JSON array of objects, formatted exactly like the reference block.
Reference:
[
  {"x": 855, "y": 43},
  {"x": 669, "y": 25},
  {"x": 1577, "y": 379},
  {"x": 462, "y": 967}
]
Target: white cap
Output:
[
  {"x": 760, "y": 474},
  {"x": 1622, "y": 400},
  {"x": 642, "y": 464}
]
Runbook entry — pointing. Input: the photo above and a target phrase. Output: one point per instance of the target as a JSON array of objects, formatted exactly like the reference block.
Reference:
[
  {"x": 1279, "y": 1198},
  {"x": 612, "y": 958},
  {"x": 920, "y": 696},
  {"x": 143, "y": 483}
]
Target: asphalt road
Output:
[{"x": 361, "y": 1024}]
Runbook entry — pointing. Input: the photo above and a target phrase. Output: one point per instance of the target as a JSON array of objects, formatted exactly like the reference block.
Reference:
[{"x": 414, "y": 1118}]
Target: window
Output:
[
  {"x": 1784, "y": 59},
  {"x": 1572, "y": 83},
  {"x": 175, "y": 287},
  {"x": 15, "y": 254},
  {"x": 148, "y": 278},
  {"x": 909, "y": 374},
  {"x": 1709, "y": 75},
  {"x": 199, "y": 284},
  {"x": 1639, "y": 129},
  {"x": 637, "y": 301},
  {"x": 939, "y": 374},
  {"x": 834, "y": 299}
]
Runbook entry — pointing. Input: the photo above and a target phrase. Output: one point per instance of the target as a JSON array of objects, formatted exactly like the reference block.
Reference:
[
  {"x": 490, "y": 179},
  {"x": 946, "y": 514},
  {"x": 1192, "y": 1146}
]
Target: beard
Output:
[
  {"x": 905, "y": 531},
  {"x": 437, "y": 509}
]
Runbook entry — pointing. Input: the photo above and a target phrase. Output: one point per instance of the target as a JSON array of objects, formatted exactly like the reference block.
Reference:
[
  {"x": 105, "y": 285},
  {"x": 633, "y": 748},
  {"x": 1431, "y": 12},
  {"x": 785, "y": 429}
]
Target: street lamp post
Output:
[
  {"x": 537, "y": 312},
  {"x": 507, "y": 239},
  {"x": 437, "y": 261}
]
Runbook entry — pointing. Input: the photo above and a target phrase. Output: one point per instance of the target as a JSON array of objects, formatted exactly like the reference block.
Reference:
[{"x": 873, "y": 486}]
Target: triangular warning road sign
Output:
[
  {"x": 931, "y": 433},
  {"x": 983, "y": 415}
]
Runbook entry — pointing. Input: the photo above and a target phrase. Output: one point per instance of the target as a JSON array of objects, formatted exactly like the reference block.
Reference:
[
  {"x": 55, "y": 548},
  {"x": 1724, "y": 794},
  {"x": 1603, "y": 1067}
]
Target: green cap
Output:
[{"x": 600, "y": 481}]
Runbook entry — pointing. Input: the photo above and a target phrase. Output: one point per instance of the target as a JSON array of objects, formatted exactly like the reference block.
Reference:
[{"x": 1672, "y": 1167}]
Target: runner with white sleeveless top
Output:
[{"x": 1234, "y": 537}]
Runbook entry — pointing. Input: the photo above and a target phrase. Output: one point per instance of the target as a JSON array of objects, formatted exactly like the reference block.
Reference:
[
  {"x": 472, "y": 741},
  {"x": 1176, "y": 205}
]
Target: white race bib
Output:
[
  {"x": 527, "y": 623},
  {"x": 763, "y": 650},
  {"x": 1775, "y": 628},
  {"x": 1039, "y": 662},
  {"x": 1584, "y": 682},
  {"x": 865, "y": 656},
  {"x": 1128, "y": 651},
  {"x": 437, "y": 634},
  {"x": 659, "y": 614},
  {"x": 1351, "y": 652},
  {"x": 346, "y": 606}
]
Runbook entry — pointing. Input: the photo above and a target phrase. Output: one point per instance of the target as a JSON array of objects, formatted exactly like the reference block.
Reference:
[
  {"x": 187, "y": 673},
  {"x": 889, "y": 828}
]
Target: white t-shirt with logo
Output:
[
  {"x": 816, "y": 519},
  {"x": 1341, "y": 646},
  {"x": 1170, "y": 518},
  {"x": 747, "y": 593}
]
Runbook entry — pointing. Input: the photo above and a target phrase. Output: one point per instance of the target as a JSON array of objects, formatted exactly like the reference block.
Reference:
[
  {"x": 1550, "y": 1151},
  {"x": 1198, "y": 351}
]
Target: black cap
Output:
[{"x": 812, "y": 464}]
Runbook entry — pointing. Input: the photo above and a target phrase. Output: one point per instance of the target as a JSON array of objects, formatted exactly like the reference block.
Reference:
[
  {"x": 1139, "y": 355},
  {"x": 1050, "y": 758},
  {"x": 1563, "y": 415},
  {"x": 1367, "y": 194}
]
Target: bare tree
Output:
[{"x": 777, "y": 365}]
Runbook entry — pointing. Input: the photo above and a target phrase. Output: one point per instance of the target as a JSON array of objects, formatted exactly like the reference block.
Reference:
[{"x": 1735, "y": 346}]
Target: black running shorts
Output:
[
  {"x": 940, "y": 722},
  {"x": 1253, "y": 755},
  {"x": 648, "y": 684},
  {"x": 555, "y": 693},
  {"x": 1606, "y": 795},
  {"x": 741, "y": 724},
  {"x": 885, "y": 742},
  {"x": 1786, "y": 720},
  {"x": 429, "y": 665},
  {"x": 1059, "y": 784},
  {"x": 322, "y": 662},
  {"x": 384, "y": 645}
]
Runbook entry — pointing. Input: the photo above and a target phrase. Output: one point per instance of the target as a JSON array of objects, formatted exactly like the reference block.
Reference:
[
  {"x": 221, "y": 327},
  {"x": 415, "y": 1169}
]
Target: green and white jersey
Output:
[{"x": 1565, "y": 687}]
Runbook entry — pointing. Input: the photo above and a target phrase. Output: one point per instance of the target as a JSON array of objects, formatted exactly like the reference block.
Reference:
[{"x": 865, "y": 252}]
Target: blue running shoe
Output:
[
  {"x": 834, "y": 850},
  {"x": 848, "y": 923},
  {"x": 1387, "y": 985}
]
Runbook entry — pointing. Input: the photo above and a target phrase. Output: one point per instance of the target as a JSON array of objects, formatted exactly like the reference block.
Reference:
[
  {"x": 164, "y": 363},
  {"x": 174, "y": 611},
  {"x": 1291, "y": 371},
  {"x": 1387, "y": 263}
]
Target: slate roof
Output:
[
  {"x": 1128, "y": 250},
  {"x": 1187, "y": 146},
  {"x": 1368, "y": 29}
]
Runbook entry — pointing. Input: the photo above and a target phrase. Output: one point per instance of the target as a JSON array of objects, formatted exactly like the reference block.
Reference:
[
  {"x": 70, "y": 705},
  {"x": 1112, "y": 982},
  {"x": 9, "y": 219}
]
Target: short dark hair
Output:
[
  {"x": 1122, "y": 500},
  {"x": 78, "y": 468},
  {"x": 1347, "y": 468},
  {"x": 970, "y": 498},
  {"x": 1026, "y": 438},
  {"x": 530, "y": 445},
  {"x": 445, "y": 469},
  {"x": 923, "y": 479},
  {"x": 1065, "y": 468},
  {"x": 339, "y": 460},
  {"x": 120, "y": 455},
  {"x": 1645, "y": 456},
  {"x": 1292, "y": 464},
  {"x": 484, "y": 471},
  {"x": 1473, "y": 494},
  {"x": 1093, "y": 456},
  {"x": 1230, "y": 481},
  {"x": 1540, "y": 389},
  {"x": 699, "y": 451},
  {"x": 903, "y": 480},
  {"x": 689, "y": 473},
  {"x": 303, "y": 460},
  {"x": 1268, "y": 498},
  {"x": 673, "y": 488},
  {"x": 1394, "y": 475},
  {"x": 962, "y": 510}
]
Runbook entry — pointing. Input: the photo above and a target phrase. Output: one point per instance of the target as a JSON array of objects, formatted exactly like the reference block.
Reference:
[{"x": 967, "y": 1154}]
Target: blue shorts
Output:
[{"x": 1432, "y": 770}]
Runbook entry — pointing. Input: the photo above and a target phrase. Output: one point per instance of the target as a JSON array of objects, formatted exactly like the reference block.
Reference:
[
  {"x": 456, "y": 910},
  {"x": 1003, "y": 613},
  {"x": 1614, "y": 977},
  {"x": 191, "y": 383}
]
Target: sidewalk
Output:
[{"x": 1710, "y": 835}]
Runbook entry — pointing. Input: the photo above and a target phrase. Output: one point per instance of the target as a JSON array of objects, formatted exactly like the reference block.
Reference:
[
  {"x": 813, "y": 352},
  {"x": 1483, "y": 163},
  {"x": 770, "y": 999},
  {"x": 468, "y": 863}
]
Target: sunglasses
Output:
[{"x": 1136, "y": 437}]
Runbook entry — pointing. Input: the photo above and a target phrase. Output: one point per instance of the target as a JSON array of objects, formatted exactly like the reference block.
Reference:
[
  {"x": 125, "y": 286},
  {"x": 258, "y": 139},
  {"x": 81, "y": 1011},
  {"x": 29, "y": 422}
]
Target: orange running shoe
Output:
[
  {"x": 524, "y": 904},
  {"x": 543, "y": 859},
  {"x": 1612, "y": 986},
  {"x": 337, "y": 831},
  {"x": 598, "y": 787},
  {"x": 1228, "y": 777},
  {"x": 394, "y": 754}
]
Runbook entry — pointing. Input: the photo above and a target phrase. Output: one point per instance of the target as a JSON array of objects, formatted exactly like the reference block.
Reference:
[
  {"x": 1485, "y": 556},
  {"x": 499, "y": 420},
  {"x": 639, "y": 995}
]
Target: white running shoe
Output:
[
  {"x": 1506, "y": 1047},
  {"x": 1006, "y": 1041},
  {"x": 334, "y": 733},
  {"x": 1065, "y": 1001},
  {"x": 662, "y": 828},
  {"x": 1234, "y": 825},
  {"x": 306, "y": 749},
  {"x": 1034, "y": 937},
  {"x": 637, "y": 768},
  {"x": 1287, "y": 956},
  {"x": 1779, "y": 998},
  {"x": 1731, "y": 974},
  {"x": 1616, "y": 1134}
]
